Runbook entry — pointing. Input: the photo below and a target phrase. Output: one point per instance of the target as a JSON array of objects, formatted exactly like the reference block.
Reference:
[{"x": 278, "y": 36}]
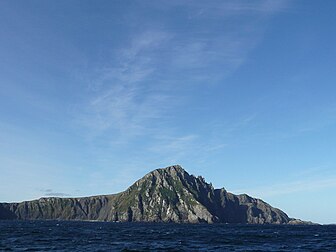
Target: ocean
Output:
[{"x": 107, "y": 236}]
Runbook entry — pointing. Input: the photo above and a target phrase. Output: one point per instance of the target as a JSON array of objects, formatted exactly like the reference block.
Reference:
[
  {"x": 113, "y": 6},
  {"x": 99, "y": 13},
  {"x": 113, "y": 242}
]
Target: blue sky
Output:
[{"x": 95, "y": 94}]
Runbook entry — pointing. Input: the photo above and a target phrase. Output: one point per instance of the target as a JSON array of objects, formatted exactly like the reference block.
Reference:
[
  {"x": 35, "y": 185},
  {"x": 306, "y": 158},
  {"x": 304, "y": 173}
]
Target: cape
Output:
[{"x": 163, "y": 195}]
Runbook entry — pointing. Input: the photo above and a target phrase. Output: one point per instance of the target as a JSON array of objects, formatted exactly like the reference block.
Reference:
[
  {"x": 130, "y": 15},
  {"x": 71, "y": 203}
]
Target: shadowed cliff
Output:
[{"x": 163, "y": 195}]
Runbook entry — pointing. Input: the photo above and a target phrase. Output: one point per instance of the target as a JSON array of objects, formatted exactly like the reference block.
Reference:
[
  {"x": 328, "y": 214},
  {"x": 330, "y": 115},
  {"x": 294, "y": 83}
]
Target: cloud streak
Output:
[
  {"x": 137, "y": 93},
  {"x": 123, "y": 100},
  {"x": 51, "y": 193},
  {"x": 302, "y": 185}
]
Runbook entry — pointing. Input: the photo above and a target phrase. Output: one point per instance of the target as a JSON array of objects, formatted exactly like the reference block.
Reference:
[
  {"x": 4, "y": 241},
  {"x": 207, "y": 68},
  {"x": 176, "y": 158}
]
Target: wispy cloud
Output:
[
  {"x": 135, "y": 93},
  {"x": 304, "y": 184},
  {"x": 219, "y": 8},
  {"x": 51, "y": 193},
  {"x": 122, "y": 99},
  {"x": 57, "y": 194},
  {"x": 176, "y": 146}
]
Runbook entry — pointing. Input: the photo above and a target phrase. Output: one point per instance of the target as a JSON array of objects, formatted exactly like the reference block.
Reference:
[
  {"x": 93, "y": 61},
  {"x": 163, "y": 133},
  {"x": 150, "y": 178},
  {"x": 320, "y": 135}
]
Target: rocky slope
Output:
[{"x": 163, "y": 195}]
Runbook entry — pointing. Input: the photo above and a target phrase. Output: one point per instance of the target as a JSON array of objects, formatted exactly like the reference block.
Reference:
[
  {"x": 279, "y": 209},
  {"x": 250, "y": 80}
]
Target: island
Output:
[{"x": 164, "y": 195}]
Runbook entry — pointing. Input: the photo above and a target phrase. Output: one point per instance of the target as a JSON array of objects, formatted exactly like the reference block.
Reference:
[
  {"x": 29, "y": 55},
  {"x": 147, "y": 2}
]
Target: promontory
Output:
[{"x": 164, "y": 195}]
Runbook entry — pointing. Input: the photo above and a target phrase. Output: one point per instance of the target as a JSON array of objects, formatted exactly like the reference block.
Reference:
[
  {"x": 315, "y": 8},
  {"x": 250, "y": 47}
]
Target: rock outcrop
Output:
[{"x": 163, "y": 195}]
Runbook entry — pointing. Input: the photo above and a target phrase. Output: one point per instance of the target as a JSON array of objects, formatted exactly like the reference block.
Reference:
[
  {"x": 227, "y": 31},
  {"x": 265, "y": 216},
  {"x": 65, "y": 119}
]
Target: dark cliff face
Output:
[{"x": 163, "y": 195}]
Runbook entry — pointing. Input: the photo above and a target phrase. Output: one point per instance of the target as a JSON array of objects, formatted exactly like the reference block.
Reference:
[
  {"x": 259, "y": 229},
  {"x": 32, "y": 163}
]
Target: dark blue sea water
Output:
[{"x": 103, "y": 236}]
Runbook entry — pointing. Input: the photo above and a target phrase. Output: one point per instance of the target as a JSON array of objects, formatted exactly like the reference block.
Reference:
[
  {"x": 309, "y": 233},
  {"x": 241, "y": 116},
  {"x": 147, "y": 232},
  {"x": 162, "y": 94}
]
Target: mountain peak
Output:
[{"x": 173, "y": 169}]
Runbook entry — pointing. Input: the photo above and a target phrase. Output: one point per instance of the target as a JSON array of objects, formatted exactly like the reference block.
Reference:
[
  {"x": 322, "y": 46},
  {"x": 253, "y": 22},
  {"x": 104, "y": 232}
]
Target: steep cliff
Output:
[{"x": 163, "y": 195}]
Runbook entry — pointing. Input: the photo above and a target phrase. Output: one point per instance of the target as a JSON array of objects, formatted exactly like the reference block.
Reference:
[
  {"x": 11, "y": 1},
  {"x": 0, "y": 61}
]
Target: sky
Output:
[{"x": 95, "y": 94}]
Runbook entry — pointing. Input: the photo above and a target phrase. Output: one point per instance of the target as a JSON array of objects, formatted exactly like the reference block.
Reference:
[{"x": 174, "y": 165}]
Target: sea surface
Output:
[{"x": 105, "y": 236}]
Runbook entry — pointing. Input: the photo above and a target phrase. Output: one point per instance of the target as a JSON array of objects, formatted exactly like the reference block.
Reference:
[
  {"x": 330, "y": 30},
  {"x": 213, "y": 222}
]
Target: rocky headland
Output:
[{"x": 163, "y": 195}]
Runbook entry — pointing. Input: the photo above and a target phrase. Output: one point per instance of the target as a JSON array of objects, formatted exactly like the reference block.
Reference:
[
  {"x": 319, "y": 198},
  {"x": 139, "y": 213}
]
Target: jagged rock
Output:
[{"x": 163, "y": 195}]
